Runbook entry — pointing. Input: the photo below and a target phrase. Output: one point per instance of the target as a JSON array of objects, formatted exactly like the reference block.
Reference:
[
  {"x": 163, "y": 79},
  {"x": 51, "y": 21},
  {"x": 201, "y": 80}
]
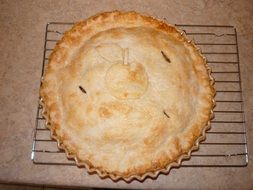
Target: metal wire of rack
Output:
[{"x": 226, "y": 142}]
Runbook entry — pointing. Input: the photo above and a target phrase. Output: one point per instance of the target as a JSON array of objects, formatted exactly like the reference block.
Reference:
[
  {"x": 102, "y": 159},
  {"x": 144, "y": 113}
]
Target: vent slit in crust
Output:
[
  {"x": 166, "y": 57},
  {"x": 166, "y": 114},
  {"x": 82, "y": 89}
]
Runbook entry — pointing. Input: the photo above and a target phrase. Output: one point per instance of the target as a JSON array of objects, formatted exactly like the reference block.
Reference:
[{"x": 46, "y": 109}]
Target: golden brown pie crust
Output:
[{"x": 126, "y": 95}]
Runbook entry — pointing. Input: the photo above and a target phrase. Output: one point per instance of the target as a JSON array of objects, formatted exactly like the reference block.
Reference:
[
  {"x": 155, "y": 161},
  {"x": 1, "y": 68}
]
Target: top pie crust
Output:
[{"x": 126, "y": 94}]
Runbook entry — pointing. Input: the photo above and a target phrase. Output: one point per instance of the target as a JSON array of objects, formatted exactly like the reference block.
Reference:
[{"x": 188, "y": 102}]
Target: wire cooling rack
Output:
[{"x": 226, "y": 142}]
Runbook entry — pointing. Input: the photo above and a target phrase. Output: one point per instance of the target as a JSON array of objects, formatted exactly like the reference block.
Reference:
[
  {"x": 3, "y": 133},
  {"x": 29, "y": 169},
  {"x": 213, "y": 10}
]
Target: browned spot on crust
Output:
[
  {"x": 104, "y": 112},
  {"x": 72, "y": 37},
  {"x": 53, "y": 107},
  {"x": 133, "y": 75},
  {"x": 177, "y": 145},
  {"x": 72, "y": 95},
  {"x": 157, "y": 133},
  {"x": 125, "y": 94},
  {"x": 165, "y": 27},
  {"x": 137, "y": 74},
  {"x": 59, "y": 55},
  {"x": 118, "y": 107}
]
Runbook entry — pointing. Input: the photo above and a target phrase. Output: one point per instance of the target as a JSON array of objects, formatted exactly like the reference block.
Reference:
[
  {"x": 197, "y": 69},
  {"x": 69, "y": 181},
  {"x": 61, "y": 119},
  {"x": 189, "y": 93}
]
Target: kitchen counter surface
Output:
[{"x": 22, "y": 39}]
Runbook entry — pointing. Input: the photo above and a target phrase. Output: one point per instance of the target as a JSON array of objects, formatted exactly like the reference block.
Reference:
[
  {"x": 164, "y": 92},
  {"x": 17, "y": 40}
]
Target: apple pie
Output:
[{"x": 127, "y": 95}]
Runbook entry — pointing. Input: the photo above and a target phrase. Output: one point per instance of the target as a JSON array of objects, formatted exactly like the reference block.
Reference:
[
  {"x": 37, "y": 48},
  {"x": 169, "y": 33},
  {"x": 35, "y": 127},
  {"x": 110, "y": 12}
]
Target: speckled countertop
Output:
[{"x": 21, "y": 48}]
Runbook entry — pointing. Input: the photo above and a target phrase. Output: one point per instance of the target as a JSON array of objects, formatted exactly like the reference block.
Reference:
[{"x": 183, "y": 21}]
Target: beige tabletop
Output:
[{"x": 22, "y": 26}]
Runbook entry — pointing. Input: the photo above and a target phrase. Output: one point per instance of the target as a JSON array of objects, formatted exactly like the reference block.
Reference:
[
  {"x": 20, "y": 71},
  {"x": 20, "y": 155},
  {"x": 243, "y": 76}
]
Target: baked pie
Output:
[{"x": 127, "y": 95}]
